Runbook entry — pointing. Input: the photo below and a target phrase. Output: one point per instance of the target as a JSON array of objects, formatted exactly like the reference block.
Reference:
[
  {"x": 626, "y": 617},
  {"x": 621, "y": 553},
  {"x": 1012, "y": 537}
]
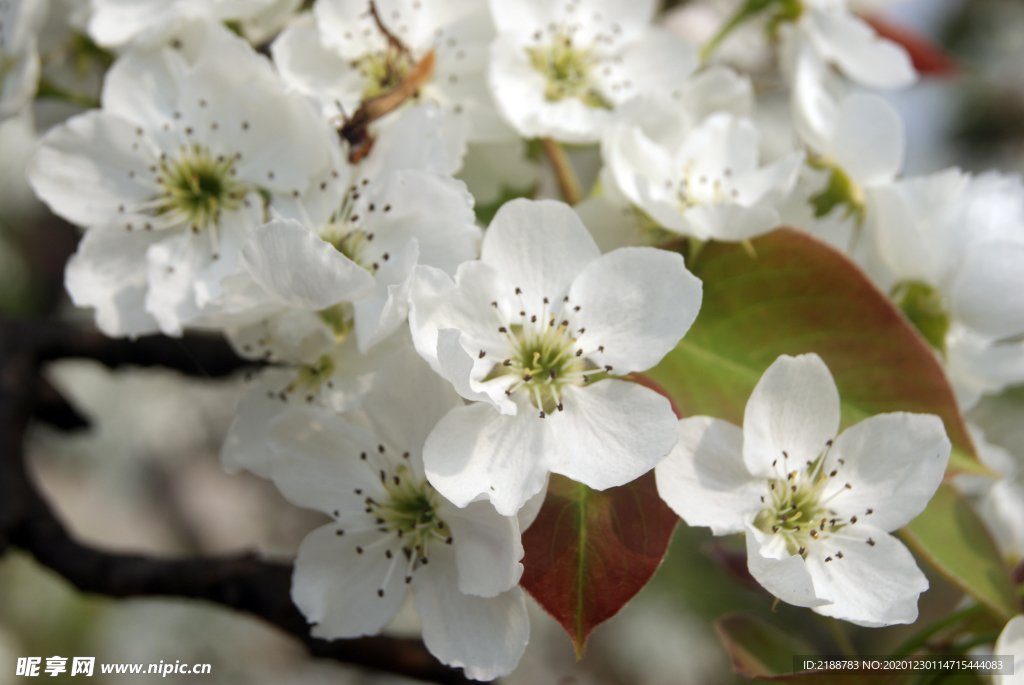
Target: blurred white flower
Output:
[
  {"x": 953, "y": 245},
  {"x": 20, "y": 21},
  {"x": 702, "y": 181},
  {"x": 536, "y": 330},
  {"x": 170, "y": 177},
  {"x": 817, "y": 510},
  {"x": 340, "y": 56},
  {"x": 1011, "y": 643},
  {"x": 392, "y": 531},
  {"x": 558, "y": 69}
]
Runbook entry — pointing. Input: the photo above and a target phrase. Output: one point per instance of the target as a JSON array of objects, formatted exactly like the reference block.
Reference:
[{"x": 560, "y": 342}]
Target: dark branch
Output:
[{"x": 245, "y": 583}]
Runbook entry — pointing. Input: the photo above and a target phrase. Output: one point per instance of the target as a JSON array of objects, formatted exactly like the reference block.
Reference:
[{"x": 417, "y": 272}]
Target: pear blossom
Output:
[
  {"x": 1011, "y": 643},
  {"x": 952, "y": 245},
  {"x": 703, "y": 180},
  {"x": 344, "y": 53},
  {"x": 169, "y": 179},
  {"x": 559, "y": 69},
  {"x": 816, "y": 509},
  {"x": 20, "y": 21},
  {"x": 537, "y": 333},
  {"x": 391, "y": 532},
  {"x": 840, "y": 38}
]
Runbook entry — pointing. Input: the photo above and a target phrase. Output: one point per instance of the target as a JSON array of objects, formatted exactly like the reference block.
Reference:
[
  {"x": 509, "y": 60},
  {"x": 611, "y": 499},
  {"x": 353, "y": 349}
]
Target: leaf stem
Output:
[
  {"x": 568, "y": 182},
  {"x": 920, "y": 638}
]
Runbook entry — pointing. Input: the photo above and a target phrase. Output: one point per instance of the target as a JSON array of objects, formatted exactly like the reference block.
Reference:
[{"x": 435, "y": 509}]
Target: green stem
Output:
[
  {"x": 979, "y": 639},
  {"x": 49, "y": 89},
  {"x": 842, "y": 640},
  {"x": 920, "y": 638},
  {"x": 748, "y": 10},
  {"x": 568, "y": 182}
]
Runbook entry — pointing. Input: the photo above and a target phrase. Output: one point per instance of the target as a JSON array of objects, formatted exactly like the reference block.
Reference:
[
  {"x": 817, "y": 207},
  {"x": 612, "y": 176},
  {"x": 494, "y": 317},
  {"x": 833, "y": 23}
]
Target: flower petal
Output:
[
  {"x": 610, "y": 433},
  {"x": 474, "y": 452},
  {"x": 299, "y": 268},
  {"x": 784, "y": 575},
  {"x": 336, "y": 588},
  {"x": 794, "y": 409},
  {"x": 484, "y": 636},
  {"x": 861, "y": 55},
  {"x": 538, "y": 246},
  {"x": 868, "y": 142},
  {"x": 870, "y": 585},
  {"x": 704, "y": 479},
  {"x": 487, "y": 548},
  {"x": 637, "y": 302},
  {"x": 988, "y": 268},
  {"x": 893, "y": 463}
]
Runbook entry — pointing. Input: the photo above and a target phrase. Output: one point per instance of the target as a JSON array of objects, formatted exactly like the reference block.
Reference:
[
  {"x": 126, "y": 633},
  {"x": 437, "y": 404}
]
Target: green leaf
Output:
[
  {"x": 951, "y": 537},
  {"x": 588, "y": 552},
  {"x": 798, "y": 295}
]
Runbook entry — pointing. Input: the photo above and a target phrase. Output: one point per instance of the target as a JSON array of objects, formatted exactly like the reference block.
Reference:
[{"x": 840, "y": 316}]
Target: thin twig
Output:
[{"x": 568, "y": 182}]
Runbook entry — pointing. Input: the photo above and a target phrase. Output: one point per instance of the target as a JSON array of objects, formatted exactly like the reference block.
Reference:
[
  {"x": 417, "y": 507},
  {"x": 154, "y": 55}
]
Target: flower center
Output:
[
  {"x": 383, "y": 71},
  {"x": 798, "y": 509},
  {"x": 197, "y": 186},
  {"x": 406, "y": 515},
  {"x": 567, "y": 70},
  {"x": 344, "y": 229},
  {"x": 699, "y": 189},
  {"x": 545, "y": 352}
]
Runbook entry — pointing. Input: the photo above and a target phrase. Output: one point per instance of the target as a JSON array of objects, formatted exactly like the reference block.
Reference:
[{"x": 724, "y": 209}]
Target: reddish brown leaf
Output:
[
  {"x": 590, "y": 552},
  {"x": 928, "y": 57}
]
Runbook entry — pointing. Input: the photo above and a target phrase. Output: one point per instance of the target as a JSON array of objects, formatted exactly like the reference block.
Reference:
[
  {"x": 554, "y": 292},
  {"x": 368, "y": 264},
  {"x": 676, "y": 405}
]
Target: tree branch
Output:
[{"x": 245, "y": 582}]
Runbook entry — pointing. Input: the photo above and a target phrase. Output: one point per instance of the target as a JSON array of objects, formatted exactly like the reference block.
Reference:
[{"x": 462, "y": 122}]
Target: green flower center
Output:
[
  {"x": 383, "y": 71},
  {"x": 797, "y": 508},
  {"x": 922, "y": 304},
  {"x": 567, "y": 71},
  {"x": 197, "y": 187}
]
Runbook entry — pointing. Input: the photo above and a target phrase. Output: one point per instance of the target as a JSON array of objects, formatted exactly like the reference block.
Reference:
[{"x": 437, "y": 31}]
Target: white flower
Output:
[
  {"x": 816, "y": 509},
  {"x": 340, "y": 56},
  {"x": 1011, "y": 643},
  {"x": 839, "y": 38},
  {"x": 169, "y": 177},
  {"x": 391, "y": 531},
  {"x": 536, "y": 330},
  {"x": 557, "y": 69},
  {"x": 20, "y": 21},
  {"x": 115, "y": 23},
  {"x": 703, "y": 181},
  {"x": 958, "y": 241}
]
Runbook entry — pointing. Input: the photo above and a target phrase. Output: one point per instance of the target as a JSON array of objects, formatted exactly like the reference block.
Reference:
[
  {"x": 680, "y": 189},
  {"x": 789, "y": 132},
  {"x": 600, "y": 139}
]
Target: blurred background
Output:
[{"x": 146, "y": 478}]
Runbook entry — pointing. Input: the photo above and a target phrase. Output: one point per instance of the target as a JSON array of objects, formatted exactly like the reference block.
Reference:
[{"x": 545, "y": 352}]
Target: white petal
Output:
[
  {"x": 539, "y": 246},
  {"x": 784, "y": 575},
  {"x": 893, "y": 463},
  {"x": 298, "y": 267},
  {"x": 528, "y": 513},
  {"x": 108, "y": 272},
  {"x": 407, "y": 401},
  {"x": 457, "y": 366},
  {"x": 336, "y": 588},
  {"x": 476, "y": 452},
  {"x": 987, "y": 292},
  {"x": 637, "y": 302},
  {"x": 729, "y": 222},
  {"x": 794, "y": 409},
  {"x": 610, "y": 433},
  {"x": 661, "y": 61},
  {"x": 81, "y": 169},
  {"x": 383, "y": 311},
  {"x": 704, "y": 479},
  {"x": 1011, "y": 641},
  {"x": 868, "y": 142},
  {"x": 859, "y": 53},
  {"x": 317, "y": 459},
  {"x": 487, "y": 548},
  {"x": 871, "y": 585},
  {"x": 246, "y": 445},
  {"x": 484, "y": 636}
]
